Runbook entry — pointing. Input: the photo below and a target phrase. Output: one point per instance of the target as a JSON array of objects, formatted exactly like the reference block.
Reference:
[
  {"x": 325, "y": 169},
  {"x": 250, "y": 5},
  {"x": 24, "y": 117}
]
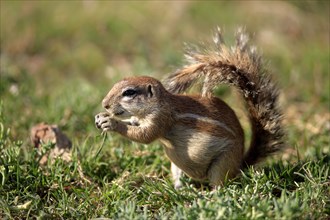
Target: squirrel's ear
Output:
[{"x": 150, "y": 91}]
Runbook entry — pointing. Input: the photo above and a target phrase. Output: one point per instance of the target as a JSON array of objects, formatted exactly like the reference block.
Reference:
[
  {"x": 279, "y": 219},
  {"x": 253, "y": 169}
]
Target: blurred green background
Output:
[{"x": 59, "y": 58}]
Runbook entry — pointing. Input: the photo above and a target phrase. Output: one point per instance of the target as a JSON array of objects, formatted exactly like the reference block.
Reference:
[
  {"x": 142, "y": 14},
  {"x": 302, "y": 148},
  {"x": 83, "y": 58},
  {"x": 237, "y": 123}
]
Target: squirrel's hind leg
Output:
[{"x": 225, "y": 167}]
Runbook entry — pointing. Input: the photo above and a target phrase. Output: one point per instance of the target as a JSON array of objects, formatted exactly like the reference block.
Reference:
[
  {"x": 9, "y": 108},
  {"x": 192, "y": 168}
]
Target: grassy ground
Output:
[{"x": 58, "y": 60}]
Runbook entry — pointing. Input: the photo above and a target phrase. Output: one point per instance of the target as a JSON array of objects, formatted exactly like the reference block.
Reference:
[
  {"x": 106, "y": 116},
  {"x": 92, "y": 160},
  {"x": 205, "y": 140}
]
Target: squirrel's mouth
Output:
[{"x": 122, "y": 115}]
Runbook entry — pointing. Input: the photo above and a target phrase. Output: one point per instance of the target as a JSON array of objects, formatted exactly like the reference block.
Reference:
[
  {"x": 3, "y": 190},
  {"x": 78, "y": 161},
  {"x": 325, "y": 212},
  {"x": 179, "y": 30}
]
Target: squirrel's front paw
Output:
[{"x": 104, "y": 122}]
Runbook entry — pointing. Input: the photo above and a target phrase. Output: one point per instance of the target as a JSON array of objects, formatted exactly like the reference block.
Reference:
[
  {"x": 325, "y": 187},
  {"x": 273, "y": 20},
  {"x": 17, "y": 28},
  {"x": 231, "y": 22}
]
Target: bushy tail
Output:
[{"x": 241, "y": 67}]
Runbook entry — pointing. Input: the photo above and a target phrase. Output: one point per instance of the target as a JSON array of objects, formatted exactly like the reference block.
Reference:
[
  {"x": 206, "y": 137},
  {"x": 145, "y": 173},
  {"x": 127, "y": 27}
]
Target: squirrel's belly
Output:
[{"x": 193, "y": 150}]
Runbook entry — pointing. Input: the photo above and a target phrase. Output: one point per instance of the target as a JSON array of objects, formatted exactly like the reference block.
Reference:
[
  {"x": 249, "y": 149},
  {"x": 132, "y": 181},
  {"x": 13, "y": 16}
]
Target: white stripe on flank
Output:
[{"x": 206, "y": 119}]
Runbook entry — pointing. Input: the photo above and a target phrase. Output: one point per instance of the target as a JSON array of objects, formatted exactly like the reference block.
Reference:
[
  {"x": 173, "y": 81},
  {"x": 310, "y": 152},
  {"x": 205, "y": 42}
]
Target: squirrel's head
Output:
[{"x": 134, "y": 97}]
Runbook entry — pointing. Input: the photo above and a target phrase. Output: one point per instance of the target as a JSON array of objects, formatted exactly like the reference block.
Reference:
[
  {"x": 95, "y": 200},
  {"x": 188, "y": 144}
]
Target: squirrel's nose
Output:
[{"x": 105, "y": 103}]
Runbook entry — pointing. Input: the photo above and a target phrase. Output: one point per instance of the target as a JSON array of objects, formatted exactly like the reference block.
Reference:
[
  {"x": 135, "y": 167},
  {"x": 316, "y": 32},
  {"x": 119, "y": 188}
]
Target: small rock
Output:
[{"x": 43, "y": 134}]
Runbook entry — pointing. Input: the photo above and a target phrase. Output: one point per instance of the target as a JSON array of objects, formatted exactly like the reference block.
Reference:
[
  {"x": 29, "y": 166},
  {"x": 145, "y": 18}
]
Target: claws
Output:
[{"x": 104, "y": 122}]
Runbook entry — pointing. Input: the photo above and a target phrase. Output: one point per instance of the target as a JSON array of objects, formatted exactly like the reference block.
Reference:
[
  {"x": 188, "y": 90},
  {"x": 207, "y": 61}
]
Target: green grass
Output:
[{"x": 58, "y": 60}]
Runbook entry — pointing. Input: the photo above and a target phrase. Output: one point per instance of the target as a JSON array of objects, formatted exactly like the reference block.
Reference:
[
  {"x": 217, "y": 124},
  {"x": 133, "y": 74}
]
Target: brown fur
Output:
[
  {"x": 201, "y": 134},
  {"x": 242, "y": 67},
  {"x": 186, "y": 125}
]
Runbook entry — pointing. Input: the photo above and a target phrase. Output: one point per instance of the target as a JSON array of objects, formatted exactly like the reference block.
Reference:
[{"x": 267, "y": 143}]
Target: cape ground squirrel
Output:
[{"x": 201, "y": 134}]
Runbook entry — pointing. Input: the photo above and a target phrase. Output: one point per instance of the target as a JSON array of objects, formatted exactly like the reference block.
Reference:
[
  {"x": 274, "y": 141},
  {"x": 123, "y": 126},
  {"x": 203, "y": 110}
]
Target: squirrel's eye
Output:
[{"x": 129, "y": 92}]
